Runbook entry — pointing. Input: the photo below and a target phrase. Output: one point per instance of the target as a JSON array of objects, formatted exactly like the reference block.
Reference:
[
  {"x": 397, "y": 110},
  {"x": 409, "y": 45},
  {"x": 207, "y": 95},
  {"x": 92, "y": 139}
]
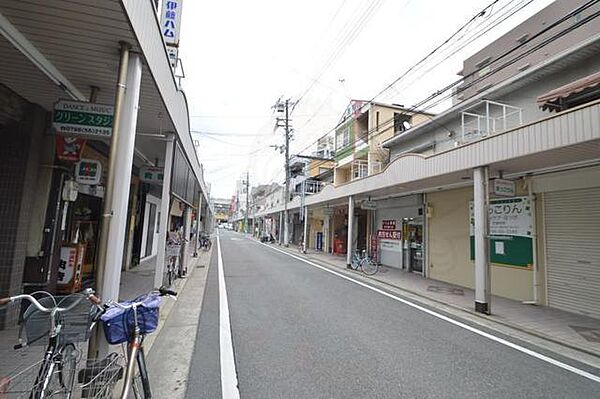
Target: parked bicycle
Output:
[
  {"x": 59, "y": 323},
  {"x": 204, "y": 241},
  {"x": 128, "y": 323},
  {"x": 364, "y": 262}
]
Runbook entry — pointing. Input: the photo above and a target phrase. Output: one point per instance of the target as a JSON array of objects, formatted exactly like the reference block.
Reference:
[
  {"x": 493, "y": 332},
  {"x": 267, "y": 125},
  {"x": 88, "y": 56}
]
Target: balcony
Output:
[
  {"x": 489, "y": 117},
  {"x": 374, "y": 167}
]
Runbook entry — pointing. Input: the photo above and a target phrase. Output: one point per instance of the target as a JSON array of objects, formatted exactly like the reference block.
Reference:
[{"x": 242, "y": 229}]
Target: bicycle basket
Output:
[
  {"x": 75, "y": 323},
  {"x": 98, "y": 377},
  {"x": 119, "y": 324}
]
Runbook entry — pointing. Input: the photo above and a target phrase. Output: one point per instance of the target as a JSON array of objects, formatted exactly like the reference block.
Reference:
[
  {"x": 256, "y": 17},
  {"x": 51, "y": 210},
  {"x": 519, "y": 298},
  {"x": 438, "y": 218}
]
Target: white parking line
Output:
[
  {"x": 229, "y": 381},
  {"x": 502, "y": 341}
]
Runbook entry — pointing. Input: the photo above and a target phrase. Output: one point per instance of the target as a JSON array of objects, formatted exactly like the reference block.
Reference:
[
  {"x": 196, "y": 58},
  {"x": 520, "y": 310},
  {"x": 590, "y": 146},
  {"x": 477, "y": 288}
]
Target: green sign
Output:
[
  {"x": 77, "y": 118},
  {"x": 510, "y": 225}
]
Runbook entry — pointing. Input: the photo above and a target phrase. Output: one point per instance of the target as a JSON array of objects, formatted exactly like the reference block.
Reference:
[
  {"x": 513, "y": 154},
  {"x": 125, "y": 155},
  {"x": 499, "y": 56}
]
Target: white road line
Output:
[
  {"x": 502, "y": 341},
  {"x": 229, "y": 381}
]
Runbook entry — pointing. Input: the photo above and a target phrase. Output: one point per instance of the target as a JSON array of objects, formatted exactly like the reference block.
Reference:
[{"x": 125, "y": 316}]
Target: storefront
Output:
[
  {"x": 571, "y": 207},
  {"x": 398, "y": 233}
]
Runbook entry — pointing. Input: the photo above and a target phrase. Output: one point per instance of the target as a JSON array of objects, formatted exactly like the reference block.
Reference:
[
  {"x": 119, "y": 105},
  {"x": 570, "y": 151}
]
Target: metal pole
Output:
[
  {"x": 198, "y": 210},
  {"x": 165, "y": 208},
  {"x": 107, "y": 211},
  {"x": 287, "y": 175},
  {"x": 305, "y": 239},
  {"x": 482, "y": 256},
  {"x": 350, "y": 231},
  {"x": 247, "y": 201},
  {"x": 280, "y": 238}
]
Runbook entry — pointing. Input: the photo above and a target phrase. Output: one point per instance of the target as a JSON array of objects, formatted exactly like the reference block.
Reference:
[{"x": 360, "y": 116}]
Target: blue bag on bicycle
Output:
[{"x": 119, "y": 324}]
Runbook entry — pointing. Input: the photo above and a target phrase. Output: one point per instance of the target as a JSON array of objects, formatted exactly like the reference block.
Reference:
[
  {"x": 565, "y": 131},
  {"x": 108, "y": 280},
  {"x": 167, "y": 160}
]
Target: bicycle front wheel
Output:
[
  {"x": 369, "y": 267},
  {"x": 67, "y": 367},
  {"x": 140, "y": 383}
]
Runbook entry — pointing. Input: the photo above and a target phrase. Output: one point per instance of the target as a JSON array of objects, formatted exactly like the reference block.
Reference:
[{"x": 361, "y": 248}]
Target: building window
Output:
[
  {"x": 377, "y": 120},
  {"x": 343, "y": 138}
]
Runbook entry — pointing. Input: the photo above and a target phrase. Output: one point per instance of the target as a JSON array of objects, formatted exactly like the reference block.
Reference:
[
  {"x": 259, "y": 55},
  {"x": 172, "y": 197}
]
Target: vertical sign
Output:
[{"x": 170, "y": 21}]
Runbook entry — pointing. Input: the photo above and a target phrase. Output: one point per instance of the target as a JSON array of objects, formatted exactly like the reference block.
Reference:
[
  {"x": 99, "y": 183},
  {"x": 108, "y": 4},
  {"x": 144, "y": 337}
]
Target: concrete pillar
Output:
[
  {"x": 118, "y": 197},
  {"x": 350, "y": 231},
  {"x": 305, "y": 238},
  {"x": 165, "y": 209},
  {"x": 482, "y": 256},
  {"x": 326, "y": 234},
  {"x": 280, "y": 238},
  {"x": 187, "y": 228}
]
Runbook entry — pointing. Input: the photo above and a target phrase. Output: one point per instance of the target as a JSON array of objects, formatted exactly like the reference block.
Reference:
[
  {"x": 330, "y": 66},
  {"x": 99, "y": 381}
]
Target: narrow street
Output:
[{"x": 301, "y": 331}]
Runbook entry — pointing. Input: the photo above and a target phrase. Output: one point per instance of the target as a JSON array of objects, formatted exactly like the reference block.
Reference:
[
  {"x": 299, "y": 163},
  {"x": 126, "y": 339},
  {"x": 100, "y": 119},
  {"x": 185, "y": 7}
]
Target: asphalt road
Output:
[{"x": 300, "y": 332}]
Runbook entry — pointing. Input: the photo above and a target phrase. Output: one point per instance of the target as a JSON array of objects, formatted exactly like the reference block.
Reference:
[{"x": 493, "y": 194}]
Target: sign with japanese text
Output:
[
  {"x": 170, "y": 21},
  {"x": 78, "y": 118},
  {"x": 389, "y": 234},
  {"x": 151, "y": 174},
  {"x": 504, "y": 188},
  {"x": 69, "y": 148},
  {"x": 88, "y": 171},
  {"x": 388, "y": 224},
  {"x": 510, "y": 229}
]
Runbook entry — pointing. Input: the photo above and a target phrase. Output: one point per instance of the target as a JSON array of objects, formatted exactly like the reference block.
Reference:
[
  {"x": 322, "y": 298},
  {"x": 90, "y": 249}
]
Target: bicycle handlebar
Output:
[{"x": 87, "y": 293}]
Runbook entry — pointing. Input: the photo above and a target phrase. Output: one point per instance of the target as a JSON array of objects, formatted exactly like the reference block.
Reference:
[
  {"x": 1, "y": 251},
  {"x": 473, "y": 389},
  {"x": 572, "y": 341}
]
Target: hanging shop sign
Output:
[
  {"x": 88, "y": 171},
  {"x": 152, "y": 174},
  {"x": 69, "y": 148},
  {"x": 388, "y": 224},
  {"x": 504, "y": 188},
  {"x": 170, "y": 21},
  {"x": 510, "y": 230},
  {"x": 78, "y": 118},
  {"x": 69, "y": 276},
  {"x": 368, "y": 205}
]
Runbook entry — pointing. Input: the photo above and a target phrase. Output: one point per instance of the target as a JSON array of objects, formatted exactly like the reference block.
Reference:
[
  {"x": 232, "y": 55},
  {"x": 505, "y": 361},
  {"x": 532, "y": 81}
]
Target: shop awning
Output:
[{"x": 565, "y": 96}]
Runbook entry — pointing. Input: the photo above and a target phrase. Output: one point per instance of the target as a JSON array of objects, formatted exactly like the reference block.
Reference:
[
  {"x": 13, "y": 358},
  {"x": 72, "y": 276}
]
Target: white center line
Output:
[
  {"x": 502, "y": 341},
  {"x": 229, "y": 381}
]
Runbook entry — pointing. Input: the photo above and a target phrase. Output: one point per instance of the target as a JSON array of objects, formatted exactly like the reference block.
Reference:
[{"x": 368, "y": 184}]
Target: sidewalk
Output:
[
  {"x": 134, "y": 282},
  {"x": 574, "y": 331}
]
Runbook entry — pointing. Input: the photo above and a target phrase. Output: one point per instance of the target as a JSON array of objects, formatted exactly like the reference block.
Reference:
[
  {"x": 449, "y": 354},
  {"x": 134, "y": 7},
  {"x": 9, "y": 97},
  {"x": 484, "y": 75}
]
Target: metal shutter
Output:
[{"x": 572, "y": 221}]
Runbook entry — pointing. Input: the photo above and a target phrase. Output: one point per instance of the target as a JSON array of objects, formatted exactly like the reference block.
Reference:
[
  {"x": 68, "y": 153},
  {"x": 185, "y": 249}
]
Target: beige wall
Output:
[{"x": 449, "y": 248}]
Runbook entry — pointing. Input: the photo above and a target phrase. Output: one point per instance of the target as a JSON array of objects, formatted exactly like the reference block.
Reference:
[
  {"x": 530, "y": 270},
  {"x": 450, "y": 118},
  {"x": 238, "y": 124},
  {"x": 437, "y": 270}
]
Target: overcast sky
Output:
[{"x": 241, "y": 56}]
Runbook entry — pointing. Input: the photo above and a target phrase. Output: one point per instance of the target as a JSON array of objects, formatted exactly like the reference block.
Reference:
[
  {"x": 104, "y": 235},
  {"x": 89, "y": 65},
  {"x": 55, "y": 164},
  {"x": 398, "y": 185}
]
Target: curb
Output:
[
  {"x": 179, "y": 287},
  {"x": 449, "y": 305}
]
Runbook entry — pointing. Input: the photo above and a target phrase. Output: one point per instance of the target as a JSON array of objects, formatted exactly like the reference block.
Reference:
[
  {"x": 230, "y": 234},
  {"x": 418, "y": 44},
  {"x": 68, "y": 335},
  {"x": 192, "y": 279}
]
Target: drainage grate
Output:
[
  {"x": 446, "y": 290},
  {"x": 590, "y": 334}
]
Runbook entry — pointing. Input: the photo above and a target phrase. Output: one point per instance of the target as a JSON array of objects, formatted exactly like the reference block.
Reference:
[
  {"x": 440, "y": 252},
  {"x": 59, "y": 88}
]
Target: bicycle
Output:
[
  {"x": 204, "y": 241},
  {"x": 365, "y": 263},
  {"x": 59, "y": 323},
  {"x": 129, "y": 322}
]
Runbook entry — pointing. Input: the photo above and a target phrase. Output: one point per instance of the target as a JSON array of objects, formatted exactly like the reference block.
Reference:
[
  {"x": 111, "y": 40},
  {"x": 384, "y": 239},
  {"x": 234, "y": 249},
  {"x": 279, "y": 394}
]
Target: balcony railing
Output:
[
  {"x": 374, "y": 167},
  {"x": 360, "y": 169},
  {"x": 489, "y": 117}
]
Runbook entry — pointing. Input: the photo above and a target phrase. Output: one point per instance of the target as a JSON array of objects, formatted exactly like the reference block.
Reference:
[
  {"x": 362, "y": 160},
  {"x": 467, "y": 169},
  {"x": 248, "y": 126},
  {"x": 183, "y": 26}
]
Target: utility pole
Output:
[
  {"x": 287, "y": 174},
  {"x": 247, "y": 201},
  {"x": 284, "y": 108}
]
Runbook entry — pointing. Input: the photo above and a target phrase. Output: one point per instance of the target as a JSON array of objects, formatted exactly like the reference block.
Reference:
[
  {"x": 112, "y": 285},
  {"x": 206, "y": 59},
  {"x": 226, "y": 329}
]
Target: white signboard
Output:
[
  {"x": 170, "y": 21},
  {"x": 504, "y": 188},
  {"x": 151, "y": 174},
  {"x": 78, "y": 118},
  {"x": 368, "y": 205},
  {"x": 390, "y": 245},
  {"x": 507, "y": 217}
]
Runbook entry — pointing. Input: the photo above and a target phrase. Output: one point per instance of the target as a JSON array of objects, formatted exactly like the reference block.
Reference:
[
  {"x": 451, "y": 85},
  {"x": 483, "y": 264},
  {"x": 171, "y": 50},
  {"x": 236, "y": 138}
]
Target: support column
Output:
[
  {"x": 305, "y": 238},
  {"x": 116, "y": 200},
  {"x": 326, "y": 234},
  {"x": 280, "y": 238},
  {"x": 165, "y": 208},
  {"x": 197, "y": 235},
  {"x": 187, "y": 228},
  {"x": 350, "y": 231},
  {"x": 482, "y": 256}
]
